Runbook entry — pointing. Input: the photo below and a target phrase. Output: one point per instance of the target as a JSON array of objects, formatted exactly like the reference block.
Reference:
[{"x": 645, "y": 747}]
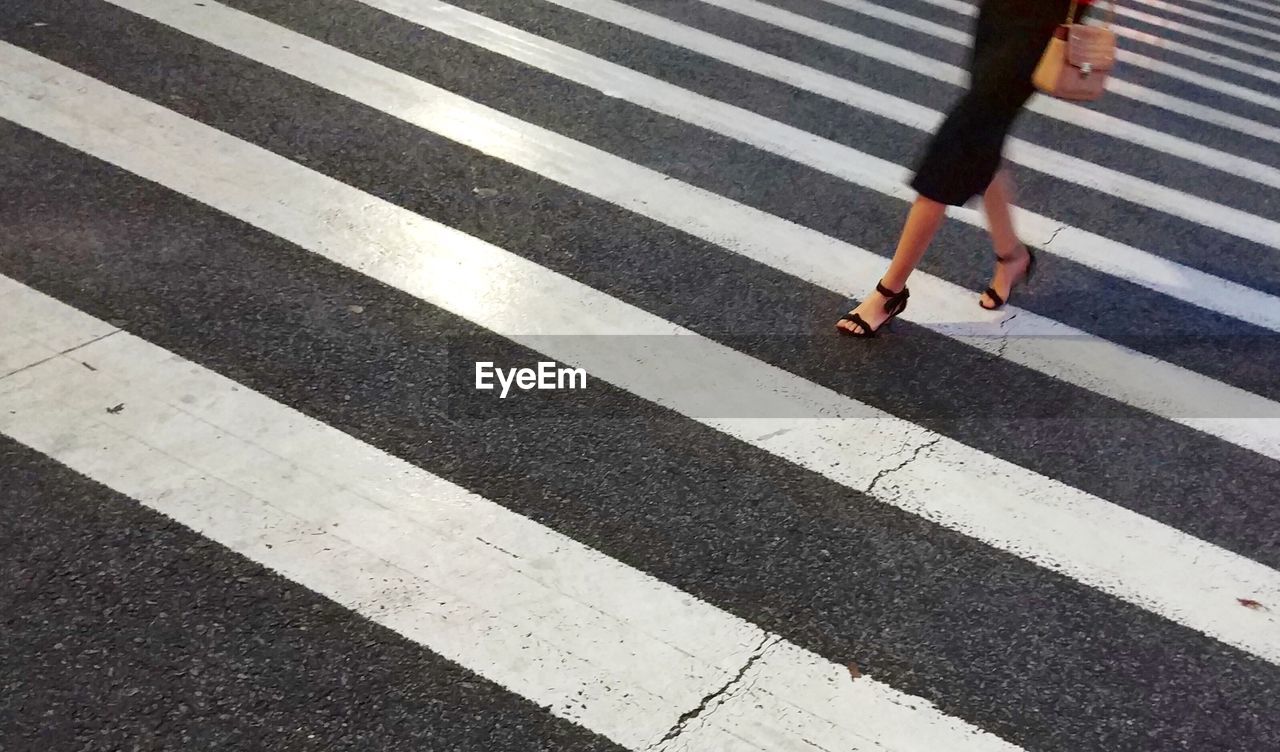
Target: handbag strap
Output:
[{"x": 1111, "y": 13}]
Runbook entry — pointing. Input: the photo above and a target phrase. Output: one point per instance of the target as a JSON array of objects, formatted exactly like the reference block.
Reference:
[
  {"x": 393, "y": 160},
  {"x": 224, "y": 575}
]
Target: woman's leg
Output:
[
  {"x": 964, "y": 154},
  {"x": 922, "y": 224},
  {"x": 997, "y": 203}
]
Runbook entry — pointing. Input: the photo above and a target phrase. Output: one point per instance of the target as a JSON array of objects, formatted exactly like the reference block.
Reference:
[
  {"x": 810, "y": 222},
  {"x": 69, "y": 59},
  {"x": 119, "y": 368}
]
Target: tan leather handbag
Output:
[{"x": 1078, "y": 59}]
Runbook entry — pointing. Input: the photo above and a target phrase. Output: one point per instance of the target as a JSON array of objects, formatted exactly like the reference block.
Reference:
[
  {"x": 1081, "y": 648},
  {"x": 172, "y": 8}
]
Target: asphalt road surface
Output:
[{"x": 272, "y": 476}]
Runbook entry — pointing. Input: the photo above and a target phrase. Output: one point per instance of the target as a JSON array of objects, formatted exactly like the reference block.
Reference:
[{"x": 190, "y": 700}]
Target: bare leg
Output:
[
  {"x": 997, "y": 202},
  {"x": 923, "y": 222}
]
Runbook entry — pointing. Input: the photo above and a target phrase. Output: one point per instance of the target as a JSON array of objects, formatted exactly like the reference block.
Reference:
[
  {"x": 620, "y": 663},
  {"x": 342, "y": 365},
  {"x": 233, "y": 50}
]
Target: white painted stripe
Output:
[
  {"x": 1194, "y": 31},
  {"x": 1265, "y": 18},
  {"x": 1243, "y": 93},
  {"x": 41, "y": 338},
  {"x": 1214, "y": 20},
  {"x": 1020, "y": 336},
  {"x": 1139, "y": 191},
  {"x": 1078, "y": 244},
  {"x": 835, "y": 159},
  {"x": 1094, "y": 541},
  {"x": 1173, "y": 45},
  {"x": 958, "y": 36},
  {"x": 969, "y": 9},
  {"x": 1273, "y": 7},
  {"x": 592, "y": 639},
  {"x": 1059, "y": 109}
]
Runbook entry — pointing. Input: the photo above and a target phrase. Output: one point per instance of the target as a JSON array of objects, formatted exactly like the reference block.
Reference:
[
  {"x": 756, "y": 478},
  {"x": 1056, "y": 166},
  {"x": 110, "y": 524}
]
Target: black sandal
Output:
[
  {"x": 894, "y": 304},
  {"x": 1024, "y": 279}
]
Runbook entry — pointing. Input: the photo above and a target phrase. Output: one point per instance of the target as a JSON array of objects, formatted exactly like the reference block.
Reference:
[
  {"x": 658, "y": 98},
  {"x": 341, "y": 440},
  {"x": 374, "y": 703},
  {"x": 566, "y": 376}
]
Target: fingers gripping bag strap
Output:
[
  {"x": 1092, "y": 47},
  {"x": 1078, "y": 59},
  {"x": 1075, "y": 5}
]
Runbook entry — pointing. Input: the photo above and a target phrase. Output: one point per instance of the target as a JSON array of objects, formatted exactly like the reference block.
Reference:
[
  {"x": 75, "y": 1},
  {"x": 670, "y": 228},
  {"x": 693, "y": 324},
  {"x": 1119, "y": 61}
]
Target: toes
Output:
[{"x": 845, "y": 325}]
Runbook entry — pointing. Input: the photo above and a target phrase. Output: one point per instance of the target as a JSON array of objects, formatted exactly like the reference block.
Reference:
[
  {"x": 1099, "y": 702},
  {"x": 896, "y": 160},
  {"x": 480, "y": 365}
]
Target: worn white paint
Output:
[
  {"x": 596, "y": 641},
  {"x": 1098, "y": 543}
]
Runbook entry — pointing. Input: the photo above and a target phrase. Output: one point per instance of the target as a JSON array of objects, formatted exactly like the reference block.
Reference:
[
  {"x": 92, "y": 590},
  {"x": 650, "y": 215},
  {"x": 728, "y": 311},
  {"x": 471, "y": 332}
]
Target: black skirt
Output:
[{"x": 965, "y": 153}]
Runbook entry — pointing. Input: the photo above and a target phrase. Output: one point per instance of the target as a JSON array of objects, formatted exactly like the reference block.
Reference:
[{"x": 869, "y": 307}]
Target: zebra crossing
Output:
[{"x": 253, "y": 249}]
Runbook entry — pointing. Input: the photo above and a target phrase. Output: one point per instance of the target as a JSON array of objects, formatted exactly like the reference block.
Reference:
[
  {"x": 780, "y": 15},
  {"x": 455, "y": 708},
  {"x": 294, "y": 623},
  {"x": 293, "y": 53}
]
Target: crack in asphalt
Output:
[
  {"x": 725, "y": 692},
  {"x": 1004, "y": 338},
  {"x": 904, "y": 463}
]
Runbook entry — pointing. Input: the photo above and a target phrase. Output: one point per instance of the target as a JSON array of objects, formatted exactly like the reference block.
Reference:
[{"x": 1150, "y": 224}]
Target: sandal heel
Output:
[{"x": 1023, "y": 281}]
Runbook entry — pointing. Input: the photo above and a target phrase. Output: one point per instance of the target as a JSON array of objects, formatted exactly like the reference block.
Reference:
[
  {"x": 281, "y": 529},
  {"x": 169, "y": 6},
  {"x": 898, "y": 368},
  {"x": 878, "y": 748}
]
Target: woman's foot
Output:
[
  {"x": 874, "y": 310},
  {"x": 1010, "y": 270}
]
